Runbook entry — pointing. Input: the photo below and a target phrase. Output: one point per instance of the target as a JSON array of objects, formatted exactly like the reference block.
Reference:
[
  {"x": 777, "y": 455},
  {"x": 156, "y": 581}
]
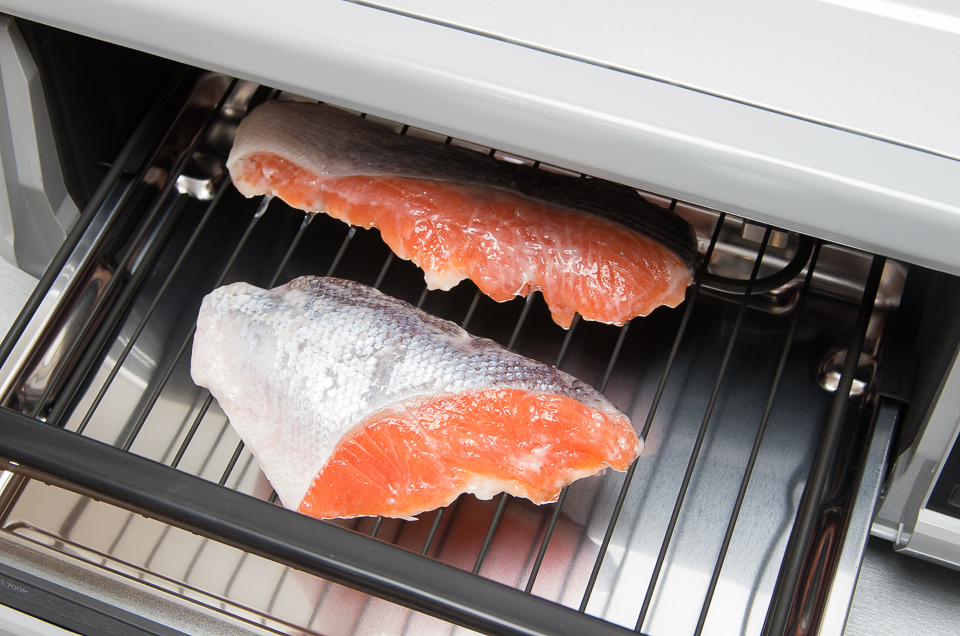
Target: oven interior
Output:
[{"x": 766, "y": 440}]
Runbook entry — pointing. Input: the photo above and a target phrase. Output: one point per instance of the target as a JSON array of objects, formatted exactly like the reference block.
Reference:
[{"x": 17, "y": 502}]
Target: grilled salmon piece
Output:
[
  {"x": 423, "y": 453},
  {"x": 592, "y": 247},
  {"x": 359, "y": 404}
]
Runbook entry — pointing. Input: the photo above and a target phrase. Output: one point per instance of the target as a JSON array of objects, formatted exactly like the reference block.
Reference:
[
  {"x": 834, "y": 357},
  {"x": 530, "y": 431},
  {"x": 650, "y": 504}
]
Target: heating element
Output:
[{"x": 760, "y": 400}]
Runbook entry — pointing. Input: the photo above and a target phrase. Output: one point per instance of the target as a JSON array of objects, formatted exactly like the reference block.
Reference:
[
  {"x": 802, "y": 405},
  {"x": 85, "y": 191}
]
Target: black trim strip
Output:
[{"x": 71, "y": 610}]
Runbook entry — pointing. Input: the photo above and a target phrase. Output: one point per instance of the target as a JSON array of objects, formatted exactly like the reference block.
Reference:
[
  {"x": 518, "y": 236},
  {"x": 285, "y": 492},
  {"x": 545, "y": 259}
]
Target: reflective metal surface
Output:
[
  {"x": 871, "y": 476},
  {"x": 898, "y": 594},
  {"x": 67, "y": 313}
]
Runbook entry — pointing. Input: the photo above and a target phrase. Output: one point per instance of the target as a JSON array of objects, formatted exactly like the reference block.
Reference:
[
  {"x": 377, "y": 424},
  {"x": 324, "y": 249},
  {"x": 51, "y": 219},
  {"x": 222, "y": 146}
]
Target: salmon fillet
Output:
[
  {"x": 359, "y": 404},
  {"x": 590, "y": 246}
]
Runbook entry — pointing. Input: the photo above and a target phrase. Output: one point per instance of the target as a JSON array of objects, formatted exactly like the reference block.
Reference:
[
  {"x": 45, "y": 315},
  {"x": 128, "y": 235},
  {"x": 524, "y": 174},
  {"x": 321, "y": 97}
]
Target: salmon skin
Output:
[
  {"x": 359, "y": 404},
  {"x": 591, "y": 246}
]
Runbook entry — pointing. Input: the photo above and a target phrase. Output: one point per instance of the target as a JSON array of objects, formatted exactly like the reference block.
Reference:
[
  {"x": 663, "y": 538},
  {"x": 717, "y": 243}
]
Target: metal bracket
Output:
[{"x": 35, "y": 210}]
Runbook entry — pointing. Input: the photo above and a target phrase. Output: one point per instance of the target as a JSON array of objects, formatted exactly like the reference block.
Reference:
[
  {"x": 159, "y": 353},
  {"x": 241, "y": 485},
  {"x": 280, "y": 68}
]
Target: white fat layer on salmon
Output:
[
  {"x": 298, "y": 367},
  {"x": 443, "y": 281},
  {"x": 488, "y": 487}
]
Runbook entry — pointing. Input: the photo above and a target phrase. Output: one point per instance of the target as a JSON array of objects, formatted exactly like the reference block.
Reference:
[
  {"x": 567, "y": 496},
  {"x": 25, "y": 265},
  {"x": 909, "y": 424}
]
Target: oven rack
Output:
[{"x": 266, "y": 246}]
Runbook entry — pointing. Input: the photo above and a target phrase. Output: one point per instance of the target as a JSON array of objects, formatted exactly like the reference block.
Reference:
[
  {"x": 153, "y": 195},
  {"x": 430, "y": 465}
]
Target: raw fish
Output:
[
  {"x": 590, "y": 246},
  {"x": 358, "y": 404}
]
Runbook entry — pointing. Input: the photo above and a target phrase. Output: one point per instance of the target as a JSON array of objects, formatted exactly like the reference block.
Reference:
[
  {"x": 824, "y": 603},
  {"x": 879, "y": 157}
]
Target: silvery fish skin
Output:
[{"x": 296, "y": 368}]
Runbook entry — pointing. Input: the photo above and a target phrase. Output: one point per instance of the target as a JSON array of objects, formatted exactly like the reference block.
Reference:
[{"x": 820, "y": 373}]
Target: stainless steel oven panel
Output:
[
  {"x": 35, "y": 210},
  {"x": 833, "y": 61}
]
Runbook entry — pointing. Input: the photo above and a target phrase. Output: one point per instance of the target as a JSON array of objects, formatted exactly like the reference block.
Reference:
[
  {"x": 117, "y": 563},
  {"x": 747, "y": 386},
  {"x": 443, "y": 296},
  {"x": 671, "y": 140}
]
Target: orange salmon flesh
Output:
[{"x": 421, "y": 454}]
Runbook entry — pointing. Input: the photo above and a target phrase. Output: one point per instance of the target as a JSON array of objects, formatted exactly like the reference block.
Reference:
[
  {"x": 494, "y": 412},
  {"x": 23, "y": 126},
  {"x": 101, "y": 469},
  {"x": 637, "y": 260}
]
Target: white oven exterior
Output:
[{"x": 887, "y": 183}]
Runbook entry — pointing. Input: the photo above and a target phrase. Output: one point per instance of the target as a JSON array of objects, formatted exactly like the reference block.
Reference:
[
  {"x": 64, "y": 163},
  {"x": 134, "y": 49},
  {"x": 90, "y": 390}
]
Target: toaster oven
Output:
[{"x": 801, "y": 398}]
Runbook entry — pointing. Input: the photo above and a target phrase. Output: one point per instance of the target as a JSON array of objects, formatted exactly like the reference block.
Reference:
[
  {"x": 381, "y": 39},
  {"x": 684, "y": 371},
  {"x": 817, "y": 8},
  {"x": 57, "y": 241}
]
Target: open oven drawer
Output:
[{"x": 128, "y": 494}]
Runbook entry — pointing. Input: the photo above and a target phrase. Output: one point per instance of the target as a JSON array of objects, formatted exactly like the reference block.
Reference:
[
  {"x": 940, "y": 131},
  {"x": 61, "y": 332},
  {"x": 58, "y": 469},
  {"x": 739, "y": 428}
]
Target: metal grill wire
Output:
[
  {"x": 550, "y": 524},
  {"x": 754, "y": 452},
  {"x": 783, "y": 609},
  {"x": 688, "y": 311},
  {"x": 129, "y": 259},
  {"x": 267, "y": 621},
  {"x": 701, "y": 434}
]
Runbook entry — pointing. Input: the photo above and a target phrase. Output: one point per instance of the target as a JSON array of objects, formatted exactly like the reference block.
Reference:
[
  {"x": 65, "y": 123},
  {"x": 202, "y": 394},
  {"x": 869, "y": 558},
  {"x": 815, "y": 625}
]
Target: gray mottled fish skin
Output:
[
  {"x": 333, "y": 143},
  {"x": 295, "y": 368}
]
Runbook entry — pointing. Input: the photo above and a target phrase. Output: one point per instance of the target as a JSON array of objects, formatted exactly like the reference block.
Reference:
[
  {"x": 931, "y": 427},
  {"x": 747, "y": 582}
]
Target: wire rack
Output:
[{"x": 705, "y": 533}]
